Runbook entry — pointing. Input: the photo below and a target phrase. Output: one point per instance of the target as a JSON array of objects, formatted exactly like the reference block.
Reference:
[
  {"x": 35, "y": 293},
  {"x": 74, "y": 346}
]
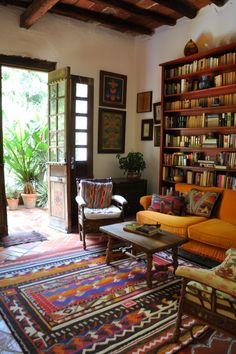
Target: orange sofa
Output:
[{"x": 207, "y": 237}]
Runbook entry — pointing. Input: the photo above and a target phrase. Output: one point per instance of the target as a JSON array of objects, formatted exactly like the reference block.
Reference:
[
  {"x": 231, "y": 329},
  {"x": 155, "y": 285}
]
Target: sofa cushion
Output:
[
  {"x": 201, "y": 203},
  {"x": 168, "y": 204},
  {"x": 214, "y": 232},
  {"x": 171, "y": 223},
  {"x": 227, "y": 211}
]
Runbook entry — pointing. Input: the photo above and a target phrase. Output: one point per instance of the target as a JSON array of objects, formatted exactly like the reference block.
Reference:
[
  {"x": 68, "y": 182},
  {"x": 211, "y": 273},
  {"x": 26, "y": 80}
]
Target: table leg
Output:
[
  {"x": 149, "y": 270},
  {"x": 175, "y": 257},
  {"x": 109, "y": 250}
]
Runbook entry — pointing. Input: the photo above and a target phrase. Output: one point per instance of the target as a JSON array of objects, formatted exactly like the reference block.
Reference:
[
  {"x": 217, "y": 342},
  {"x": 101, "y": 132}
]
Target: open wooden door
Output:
[
  {"x": 3, "y": 210},
  {"x": 59, "y": 150},
  {"x": 70, "y": 144}
]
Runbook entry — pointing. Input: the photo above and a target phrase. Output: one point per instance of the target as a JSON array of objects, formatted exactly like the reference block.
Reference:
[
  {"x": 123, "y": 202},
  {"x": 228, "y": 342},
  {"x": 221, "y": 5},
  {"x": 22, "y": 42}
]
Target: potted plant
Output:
[
  {"x": 132, "y": 164},
  {"x": 25, "y": 152},
  {"x": 12, "y": 196}
]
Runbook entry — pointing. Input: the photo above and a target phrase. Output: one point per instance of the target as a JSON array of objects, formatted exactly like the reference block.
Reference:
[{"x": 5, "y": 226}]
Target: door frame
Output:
[{"x": 21, "y": 63}]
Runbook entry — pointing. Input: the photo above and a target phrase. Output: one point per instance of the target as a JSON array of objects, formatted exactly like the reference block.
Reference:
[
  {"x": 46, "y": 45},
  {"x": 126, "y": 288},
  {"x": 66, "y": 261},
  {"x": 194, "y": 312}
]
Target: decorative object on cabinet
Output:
[
  {"x": 157, "y": 112},
  {"x": 132, "y": 164},
  {"x": 112, "y": 89},
  {"x": 147, "y": 129},
  {"x": 190, "y": 48},
  {"x": 111, "y": 131},
  {"x": 144, "y": 102},
  {"x": 198, "y": 124}
]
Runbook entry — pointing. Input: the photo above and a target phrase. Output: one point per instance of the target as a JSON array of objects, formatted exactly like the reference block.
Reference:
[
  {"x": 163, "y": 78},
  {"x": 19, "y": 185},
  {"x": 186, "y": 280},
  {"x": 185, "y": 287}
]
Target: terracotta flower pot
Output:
[
  {"x": 12, "y": 203},
  {"x": 29, "y": 200}
]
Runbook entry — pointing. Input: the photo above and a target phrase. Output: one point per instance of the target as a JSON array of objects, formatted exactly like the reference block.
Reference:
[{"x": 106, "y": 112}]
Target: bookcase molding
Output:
[{"x": 198, "y": 119}]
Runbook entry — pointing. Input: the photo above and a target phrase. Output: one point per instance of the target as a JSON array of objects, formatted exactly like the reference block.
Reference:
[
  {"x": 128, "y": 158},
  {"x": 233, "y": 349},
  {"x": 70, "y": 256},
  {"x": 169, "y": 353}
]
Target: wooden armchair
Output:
[
  {"x": 97, "y": 206},
  {"x": 210, "y": 295}
]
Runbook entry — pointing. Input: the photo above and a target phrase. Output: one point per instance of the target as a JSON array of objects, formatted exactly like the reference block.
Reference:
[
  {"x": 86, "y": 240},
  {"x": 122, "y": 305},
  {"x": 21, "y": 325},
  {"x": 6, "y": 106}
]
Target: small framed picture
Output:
[
  {"x": 111, "y": 131},
  {"x": 157, "y": 112},
  {"x": 157, "y": 135},
  {"x": 147, "y": 129},
  {"x": 112, "y": 89},
  {"x": 144, "y": 102}
]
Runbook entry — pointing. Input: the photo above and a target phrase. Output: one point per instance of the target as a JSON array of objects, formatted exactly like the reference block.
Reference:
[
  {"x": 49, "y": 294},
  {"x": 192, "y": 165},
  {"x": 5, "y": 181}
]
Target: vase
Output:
[
  {"x": 190, "y": 48},
  {"x": 12, "y": 203},
  {"x": 133, "y": 174},
  {"x": 29, "y": 200}
]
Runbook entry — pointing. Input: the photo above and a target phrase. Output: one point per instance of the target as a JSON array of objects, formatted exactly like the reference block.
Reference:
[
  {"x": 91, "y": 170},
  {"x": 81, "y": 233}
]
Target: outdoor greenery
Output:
[
  {"x": 25, "y": 102},
  {"x": 133, "y": 162},
  {"x": 12, "y": 193},
  {"x": 25, "y": 154}
]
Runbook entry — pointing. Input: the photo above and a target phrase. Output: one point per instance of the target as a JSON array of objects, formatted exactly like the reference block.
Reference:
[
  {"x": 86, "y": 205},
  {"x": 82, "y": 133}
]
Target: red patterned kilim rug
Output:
[{"x": 77, "y": 304}]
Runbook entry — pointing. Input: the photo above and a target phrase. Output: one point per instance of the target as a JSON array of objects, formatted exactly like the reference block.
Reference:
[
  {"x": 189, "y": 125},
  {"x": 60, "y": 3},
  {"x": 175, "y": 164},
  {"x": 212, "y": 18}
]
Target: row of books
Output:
[
  {"x": 188, "y": 85},
  {"x": 204, "y": 141},
  {"x": 227, "y": 119},
  {"x": 204, "y": 178},
  {"x": 216, "y": 161},
  {"x": 224, "y": 100},
  {"x": 201, "y": 64}
]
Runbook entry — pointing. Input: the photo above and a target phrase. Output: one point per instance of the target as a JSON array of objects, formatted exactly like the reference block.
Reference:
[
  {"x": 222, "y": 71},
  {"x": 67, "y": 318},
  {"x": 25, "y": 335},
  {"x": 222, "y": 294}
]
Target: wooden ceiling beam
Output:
[
  {"x": 219, "y": 2},
  {"x": 34, "y": 11},
  {"x": 179, "y": 6},
  {"x": 136, "y": 10},
  {"x": 109, "y": 20}
]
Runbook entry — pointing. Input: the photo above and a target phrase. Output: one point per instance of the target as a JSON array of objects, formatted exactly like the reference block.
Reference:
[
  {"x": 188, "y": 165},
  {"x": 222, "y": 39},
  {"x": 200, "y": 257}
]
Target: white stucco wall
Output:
[
  {"x": 212, "y": 27},
  {"x": 87, "y": 49}
]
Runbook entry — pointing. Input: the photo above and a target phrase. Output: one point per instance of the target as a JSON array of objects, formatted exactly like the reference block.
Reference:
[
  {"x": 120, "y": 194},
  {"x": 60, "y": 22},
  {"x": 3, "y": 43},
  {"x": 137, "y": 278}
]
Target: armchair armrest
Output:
[
  {"x": 145, "y": 201},
  {"x": 119, "y": 199},
  {"x": 81, "y": 202},
  {"x": 207, "y": 277}
]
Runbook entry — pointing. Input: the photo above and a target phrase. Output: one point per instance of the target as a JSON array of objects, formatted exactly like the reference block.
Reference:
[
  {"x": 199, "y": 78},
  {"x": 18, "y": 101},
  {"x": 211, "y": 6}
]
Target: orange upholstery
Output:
[
  {"x": 175, "y": 224},
  {"x": 215, "y": 232},
  {"x": 227, "y": 210},
  {"x": 207, "y": 237}
]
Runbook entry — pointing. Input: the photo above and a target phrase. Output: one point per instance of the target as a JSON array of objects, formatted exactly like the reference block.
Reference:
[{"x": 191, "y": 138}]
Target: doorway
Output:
[
  {"x": 25, "y": 133},
  {"x": 76, "y": 164}
]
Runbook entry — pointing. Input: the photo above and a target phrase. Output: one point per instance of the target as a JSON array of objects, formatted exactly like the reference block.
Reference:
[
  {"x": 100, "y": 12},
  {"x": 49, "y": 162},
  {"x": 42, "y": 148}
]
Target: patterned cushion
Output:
[
  {"x": 102, "y": 195},
  {"x": 87, "y": 192},
  {"x": 168, "y": 204},
  {"x": 201, "y": 203},
  {"x": 227, "y": 269},
  {"x": 96, "y": 195}
]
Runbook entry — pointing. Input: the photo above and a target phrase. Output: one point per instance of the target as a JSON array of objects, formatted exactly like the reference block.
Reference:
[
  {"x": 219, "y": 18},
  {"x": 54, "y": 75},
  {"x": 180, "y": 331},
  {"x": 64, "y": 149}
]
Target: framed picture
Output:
[
  {"x": 157, "y": 135},
  {"x": 144, "y": 102},
  {"x": 157, "y": 112},
  {"x": 112, "y": 89},
  {"x": 111, "y": 131},
  {"x": 147, "y": 129}
]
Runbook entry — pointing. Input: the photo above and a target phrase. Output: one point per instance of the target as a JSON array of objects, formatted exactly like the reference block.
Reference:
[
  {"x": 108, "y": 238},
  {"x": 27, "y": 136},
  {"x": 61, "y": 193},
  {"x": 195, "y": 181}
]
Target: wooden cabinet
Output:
[
  {"x": 131, "y": 190},
  {"x": 198, "y": 120}
]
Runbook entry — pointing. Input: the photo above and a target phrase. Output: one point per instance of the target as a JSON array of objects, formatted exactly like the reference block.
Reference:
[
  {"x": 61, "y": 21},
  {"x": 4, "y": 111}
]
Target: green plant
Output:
[
  {"x": 134, "y": 162},
  {"x": 25, "y": 154},
  {"x": 42, "y": 194},
  {"x": 12, "y": 193}
]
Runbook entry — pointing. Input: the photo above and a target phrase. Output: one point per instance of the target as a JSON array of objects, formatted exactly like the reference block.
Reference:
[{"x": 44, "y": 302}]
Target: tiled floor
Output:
[{"x": 27, "y": 220}]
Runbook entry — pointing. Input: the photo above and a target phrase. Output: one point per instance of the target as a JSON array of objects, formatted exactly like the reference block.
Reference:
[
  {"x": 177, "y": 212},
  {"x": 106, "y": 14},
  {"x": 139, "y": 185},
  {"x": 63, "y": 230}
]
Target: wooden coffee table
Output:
[{"x": 147, "y": 244}]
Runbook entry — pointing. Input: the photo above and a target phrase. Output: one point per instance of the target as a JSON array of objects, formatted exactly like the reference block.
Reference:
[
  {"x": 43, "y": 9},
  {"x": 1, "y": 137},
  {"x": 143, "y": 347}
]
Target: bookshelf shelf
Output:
[{"x": 198, "y": 119}]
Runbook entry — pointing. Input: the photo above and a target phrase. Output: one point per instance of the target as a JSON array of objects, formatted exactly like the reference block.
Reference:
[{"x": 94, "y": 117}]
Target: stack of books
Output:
[{"x": 143, "y": 229}]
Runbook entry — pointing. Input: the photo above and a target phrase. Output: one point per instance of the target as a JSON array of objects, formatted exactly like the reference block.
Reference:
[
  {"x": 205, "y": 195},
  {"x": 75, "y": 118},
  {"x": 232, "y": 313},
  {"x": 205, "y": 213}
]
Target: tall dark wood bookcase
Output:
[{"x": 198, "y": 120}]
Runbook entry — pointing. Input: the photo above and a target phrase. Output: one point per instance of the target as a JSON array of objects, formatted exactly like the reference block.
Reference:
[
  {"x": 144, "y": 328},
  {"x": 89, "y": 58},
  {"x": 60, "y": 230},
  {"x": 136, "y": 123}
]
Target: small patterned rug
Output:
[
  {"x": 77, "y": 304},
  {"x": 18, "y": 238}
]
